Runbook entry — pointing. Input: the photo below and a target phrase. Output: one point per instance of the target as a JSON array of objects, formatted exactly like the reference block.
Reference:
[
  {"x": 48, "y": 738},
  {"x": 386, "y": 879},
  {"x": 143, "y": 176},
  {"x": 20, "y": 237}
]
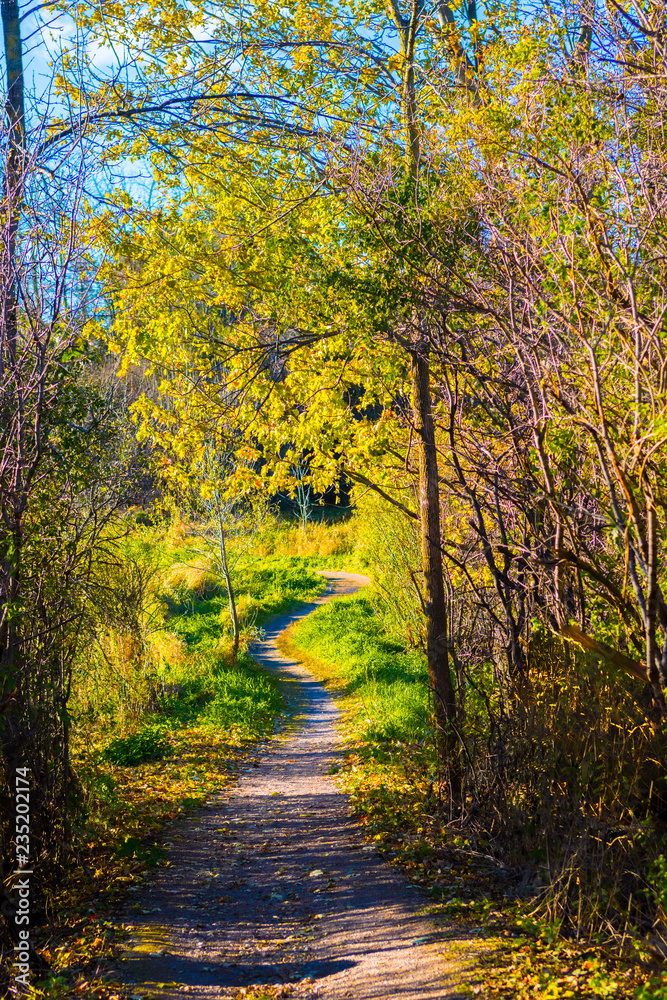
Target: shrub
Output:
[{"x": 145, "y": 745}]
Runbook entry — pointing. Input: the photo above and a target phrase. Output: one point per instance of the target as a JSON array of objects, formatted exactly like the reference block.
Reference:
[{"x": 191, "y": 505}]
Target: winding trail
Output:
[{"x": 272, "y": 892}]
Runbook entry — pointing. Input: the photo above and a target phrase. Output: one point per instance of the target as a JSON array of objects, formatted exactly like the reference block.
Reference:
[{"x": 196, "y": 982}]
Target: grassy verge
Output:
[
  {"x": 161, "y": 722},
  {"x": 390, "y": 772}
]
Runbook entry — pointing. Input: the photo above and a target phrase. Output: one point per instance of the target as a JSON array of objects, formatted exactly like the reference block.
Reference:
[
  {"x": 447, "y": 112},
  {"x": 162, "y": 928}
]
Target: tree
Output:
[
  {"x": 301, "y": 494},
  {"x": 227, "y": 490},
  {"x": 418, "y": 303},
  {"x": 158, "y": 88},
  {"x": 303, "y": 332},
  {"x": 553, "y": 330},
  {"x": 53, "y": 431}
]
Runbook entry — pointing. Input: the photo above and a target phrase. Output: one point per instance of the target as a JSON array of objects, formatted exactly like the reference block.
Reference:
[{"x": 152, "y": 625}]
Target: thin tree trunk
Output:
[
  {"x": 435, "y": 603},
  {"x": 652, "y": 657},
  {"x": 230, "y": 590},
  {"x": 11, "y": 528},
  {"x": 407, "y": 33},
  {"x": 14, "y": 166}
]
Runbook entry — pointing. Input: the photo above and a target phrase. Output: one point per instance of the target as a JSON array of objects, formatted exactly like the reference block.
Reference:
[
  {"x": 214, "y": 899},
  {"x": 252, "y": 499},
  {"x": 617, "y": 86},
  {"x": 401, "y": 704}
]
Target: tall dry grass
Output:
[{"x": 315, "y": 540}]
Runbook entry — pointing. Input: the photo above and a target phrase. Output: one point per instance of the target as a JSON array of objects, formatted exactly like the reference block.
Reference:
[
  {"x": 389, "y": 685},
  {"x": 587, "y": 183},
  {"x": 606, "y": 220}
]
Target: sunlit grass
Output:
[
  {"x": 324, "y": 545},
  {"x": 385, "y": 686}
]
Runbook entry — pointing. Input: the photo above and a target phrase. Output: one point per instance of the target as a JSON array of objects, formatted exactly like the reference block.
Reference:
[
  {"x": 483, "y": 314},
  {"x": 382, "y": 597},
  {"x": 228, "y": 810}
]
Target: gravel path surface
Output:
[{"x": 272, "y": 891}]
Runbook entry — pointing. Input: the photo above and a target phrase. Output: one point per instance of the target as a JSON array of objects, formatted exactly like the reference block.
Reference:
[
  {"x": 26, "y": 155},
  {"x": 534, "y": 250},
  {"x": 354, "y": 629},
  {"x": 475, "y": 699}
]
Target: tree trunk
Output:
[
  {"x": 233, "y": 614},
  {"x": 407, "y": 33},
  {"x": 435, "y": 603},
  {"x": 14, "y": 166},
  {"x": 11, "y": 528},
  {"x": 11, "y": 533}
]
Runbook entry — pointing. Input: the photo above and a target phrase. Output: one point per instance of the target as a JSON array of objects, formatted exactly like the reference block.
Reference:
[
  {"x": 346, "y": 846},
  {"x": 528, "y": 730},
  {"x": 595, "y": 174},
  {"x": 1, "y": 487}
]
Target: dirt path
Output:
[{"x": 272, "y": 892}]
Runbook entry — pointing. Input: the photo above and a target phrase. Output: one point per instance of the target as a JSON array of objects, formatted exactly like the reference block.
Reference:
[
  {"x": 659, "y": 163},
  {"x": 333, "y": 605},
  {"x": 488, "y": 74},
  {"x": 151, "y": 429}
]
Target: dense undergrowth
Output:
[{"x": 497, "y": 879}]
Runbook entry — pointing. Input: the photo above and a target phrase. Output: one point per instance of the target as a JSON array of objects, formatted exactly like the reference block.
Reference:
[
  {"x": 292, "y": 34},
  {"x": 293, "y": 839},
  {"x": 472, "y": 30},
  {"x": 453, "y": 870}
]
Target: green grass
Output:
[
  {"x": 264, "y": 587},
  {"x": 147, "y": 744},
  {"x": 245, "y": 697},
  {"x": 384, "y": 687}
]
